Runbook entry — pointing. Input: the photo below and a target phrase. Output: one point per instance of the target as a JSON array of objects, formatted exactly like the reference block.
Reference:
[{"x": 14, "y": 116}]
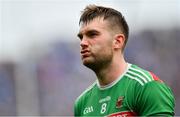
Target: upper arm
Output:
[{"x": 154, "y": 99}]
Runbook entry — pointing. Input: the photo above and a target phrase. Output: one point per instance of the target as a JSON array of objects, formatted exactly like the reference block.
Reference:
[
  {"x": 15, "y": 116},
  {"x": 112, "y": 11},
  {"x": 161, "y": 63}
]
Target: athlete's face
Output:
[{"x": 96, "y": 43}]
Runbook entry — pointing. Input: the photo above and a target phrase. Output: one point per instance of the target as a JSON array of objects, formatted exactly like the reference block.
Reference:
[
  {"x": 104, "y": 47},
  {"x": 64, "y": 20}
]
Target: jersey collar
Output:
[{"x": 114, "y": 82}]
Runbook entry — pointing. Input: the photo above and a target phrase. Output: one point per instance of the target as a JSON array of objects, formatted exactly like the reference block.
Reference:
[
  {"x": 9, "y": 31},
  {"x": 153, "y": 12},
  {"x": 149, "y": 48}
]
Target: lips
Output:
[{"x": 85, "y": 53}]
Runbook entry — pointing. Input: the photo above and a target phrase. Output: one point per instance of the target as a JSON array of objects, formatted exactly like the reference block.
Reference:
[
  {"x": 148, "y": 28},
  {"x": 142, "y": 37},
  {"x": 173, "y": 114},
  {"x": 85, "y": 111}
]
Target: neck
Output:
[{"x": 111, "y": 72}]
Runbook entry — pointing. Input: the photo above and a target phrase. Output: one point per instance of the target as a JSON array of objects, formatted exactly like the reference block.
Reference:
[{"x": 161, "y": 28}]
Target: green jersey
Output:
[{"x": 136, "y": 92}]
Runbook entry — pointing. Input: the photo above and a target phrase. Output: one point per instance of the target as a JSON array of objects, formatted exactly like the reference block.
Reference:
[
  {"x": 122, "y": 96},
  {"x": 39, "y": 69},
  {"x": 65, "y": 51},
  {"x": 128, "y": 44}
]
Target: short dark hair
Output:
[{"x": 115, "y": 17}]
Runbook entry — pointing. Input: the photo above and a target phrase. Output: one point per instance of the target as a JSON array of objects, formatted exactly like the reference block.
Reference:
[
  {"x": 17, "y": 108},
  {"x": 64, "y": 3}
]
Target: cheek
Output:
[{"x": 102, "y": 48}]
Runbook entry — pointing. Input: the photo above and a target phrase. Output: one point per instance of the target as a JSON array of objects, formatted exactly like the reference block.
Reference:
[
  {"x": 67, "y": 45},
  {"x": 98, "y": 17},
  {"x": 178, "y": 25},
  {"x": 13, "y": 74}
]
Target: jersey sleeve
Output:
[
  {"x": 155, "y": 99},
  {"x": 76, "y": 108}
]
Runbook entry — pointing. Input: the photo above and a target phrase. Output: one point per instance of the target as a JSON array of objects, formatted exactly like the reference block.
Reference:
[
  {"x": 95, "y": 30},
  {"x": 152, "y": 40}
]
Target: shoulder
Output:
[
  {"x": 81, "y": 100},
  {"x": 151, "y": 96},
  {"x": 140, "y": 76},
  {"x": 141, "y": 81},
  {"x": 85, "y": 93}
]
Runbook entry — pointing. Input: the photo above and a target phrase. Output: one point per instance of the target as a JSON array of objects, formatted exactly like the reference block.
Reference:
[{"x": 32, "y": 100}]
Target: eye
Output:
[
  {"x": 80, "y": 36},
  {"x": 92, "y": 34}
]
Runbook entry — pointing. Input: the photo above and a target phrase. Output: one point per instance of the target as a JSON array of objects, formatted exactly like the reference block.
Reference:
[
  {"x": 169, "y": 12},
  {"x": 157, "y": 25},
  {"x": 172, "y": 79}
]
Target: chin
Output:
[
  {"x": 88, "y": 63},
  {"x": 87, "y": 60},
  {"x": 91, "y": 65}
]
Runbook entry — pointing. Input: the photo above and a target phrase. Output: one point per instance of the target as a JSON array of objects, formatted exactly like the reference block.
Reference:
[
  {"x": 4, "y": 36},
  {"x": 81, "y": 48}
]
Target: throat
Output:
[{"x": 109, "y": 76}]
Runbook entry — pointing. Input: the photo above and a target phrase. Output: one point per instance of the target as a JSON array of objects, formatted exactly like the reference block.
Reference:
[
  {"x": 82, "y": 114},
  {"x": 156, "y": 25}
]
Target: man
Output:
[{"x": 122, "y": 89}]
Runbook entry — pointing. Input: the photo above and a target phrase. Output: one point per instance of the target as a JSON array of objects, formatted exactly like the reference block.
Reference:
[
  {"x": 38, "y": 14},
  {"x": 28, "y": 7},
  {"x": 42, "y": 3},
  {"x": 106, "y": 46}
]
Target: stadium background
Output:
[{"x": 40, "y": 68}]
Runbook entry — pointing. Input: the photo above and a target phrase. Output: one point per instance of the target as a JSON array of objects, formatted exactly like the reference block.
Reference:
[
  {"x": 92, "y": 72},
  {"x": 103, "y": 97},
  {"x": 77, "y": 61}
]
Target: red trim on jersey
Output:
[
  {"x": 123, "y": 114},
  {"x": 155, "y": 77}
]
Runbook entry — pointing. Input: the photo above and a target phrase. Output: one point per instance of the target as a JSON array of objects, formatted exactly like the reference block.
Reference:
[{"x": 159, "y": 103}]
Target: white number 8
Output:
[{"x": 103, "y": 108}]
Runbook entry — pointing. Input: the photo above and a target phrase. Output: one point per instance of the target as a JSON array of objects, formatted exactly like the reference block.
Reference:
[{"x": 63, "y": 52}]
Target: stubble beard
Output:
[{"x": 99, "y": 62}]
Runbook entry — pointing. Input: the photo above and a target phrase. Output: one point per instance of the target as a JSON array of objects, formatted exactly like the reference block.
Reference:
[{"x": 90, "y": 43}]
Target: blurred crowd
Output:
[{"x": 47, "y": 84}]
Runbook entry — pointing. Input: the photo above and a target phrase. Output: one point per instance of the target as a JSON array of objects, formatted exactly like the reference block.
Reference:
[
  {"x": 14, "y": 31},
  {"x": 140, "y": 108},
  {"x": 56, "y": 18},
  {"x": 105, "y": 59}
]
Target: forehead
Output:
[{"x": 95, "y": 24}]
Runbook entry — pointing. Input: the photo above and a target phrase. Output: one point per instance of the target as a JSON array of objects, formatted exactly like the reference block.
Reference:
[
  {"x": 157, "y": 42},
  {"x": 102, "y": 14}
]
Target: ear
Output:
[{"x": 119, "y": 40}]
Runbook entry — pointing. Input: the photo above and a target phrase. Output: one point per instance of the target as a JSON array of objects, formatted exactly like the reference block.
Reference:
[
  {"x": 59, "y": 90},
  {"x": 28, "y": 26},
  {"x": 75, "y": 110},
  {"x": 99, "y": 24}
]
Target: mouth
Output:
[{"x": 85, "y": 53}]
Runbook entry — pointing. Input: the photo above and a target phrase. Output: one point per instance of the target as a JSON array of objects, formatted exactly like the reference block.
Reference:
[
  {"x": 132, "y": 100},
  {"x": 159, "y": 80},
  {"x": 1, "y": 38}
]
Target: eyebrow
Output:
[
  {"x": 80, "y": 34},
  {"x": 92, "y": 31}
]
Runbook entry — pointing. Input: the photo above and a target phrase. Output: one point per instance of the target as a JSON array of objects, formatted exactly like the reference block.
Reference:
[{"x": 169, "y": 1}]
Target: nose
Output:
[{"x": 84, "y": 43}]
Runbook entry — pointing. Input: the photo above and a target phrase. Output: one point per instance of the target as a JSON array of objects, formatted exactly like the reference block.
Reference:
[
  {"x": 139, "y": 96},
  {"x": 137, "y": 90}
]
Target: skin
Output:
[{"x": 101, "y": 50}]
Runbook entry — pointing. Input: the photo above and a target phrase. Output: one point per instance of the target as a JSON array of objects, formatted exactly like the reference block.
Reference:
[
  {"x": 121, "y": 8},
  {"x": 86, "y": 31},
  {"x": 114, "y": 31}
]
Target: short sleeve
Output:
[
  {"x": 155, "y": 99},
  {"x": 76, "y": 110}
]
